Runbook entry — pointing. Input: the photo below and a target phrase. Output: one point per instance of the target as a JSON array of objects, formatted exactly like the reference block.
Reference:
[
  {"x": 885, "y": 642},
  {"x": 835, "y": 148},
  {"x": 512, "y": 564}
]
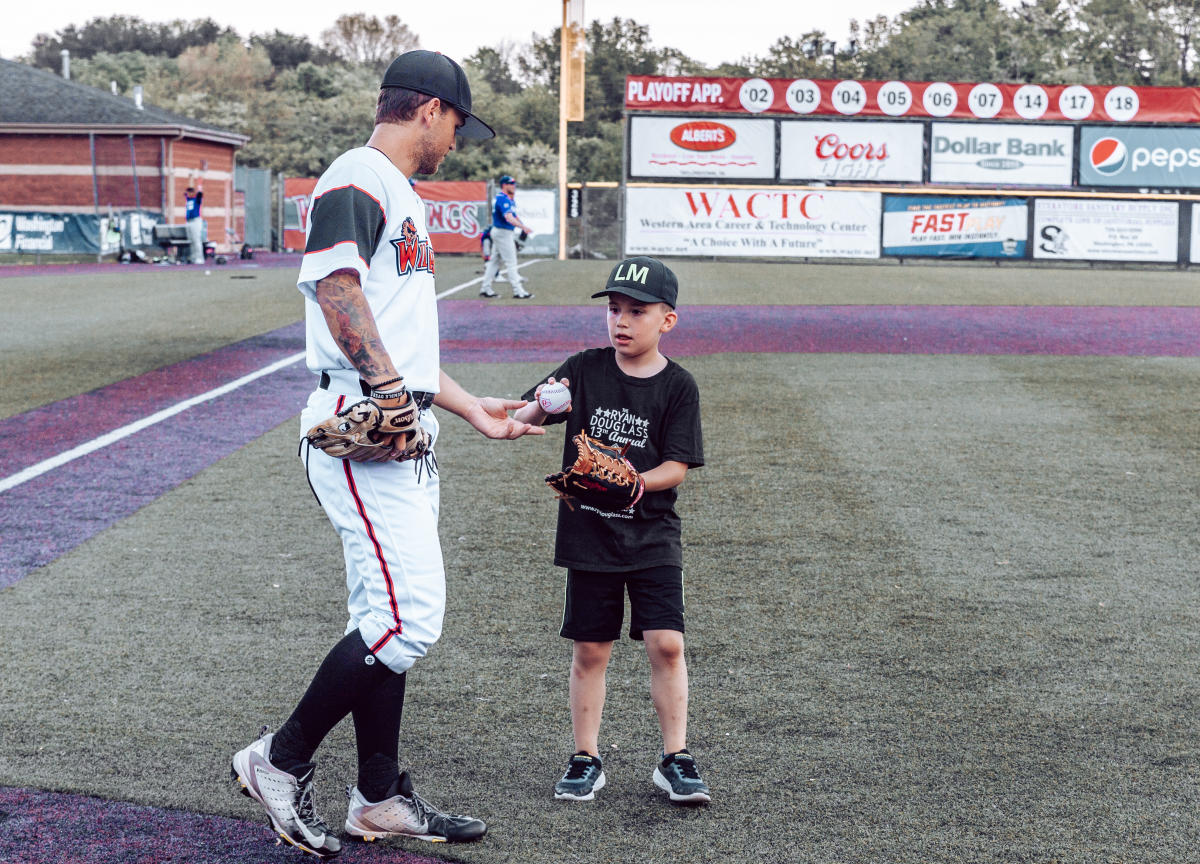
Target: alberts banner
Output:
[
  {"x": 691, "y": 147},
  {"x": 1001, "y": 154},
  {"x": 954, "y": 227},
  {"x": 1093, "y": 230},
  {"x": 1159, "y": 156},
  {"x": 751, "y": 222},
  {"x": 833, "y": 150}
]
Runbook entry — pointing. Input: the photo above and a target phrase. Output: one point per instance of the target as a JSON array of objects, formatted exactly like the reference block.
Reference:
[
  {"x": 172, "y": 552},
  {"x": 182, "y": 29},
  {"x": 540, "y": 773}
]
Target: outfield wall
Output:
[{"x": 847, "y": 169}]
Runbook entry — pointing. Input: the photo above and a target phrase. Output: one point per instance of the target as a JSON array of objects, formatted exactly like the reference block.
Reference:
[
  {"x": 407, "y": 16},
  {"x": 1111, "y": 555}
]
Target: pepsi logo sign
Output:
[
  {"x": 1109, "y": 156},
  {"x": 703, "y": 136}
]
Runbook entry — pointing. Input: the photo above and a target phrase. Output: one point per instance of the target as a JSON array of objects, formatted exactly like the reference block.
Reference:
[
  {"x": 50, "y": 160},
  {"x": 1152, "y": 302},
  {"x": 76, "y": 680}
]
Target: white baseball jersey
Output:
[{"x": 366, "y": 217}]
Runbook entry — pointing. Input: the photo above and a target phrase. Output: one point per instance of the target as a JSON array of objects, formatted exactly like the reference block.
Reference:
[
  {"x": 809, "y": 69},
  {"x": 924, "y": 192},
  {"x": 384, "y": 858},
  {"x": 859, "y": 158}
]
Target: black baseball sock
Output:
[
  {"x": 344, "y": 676},
  {"x": 377, "y": 734}
]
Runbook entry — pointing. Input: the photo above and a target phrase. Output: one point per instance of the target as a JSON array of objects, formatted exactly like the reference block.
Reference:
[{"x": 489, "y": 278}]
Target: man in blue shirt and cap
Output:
[{"x": 505, "y": 222}]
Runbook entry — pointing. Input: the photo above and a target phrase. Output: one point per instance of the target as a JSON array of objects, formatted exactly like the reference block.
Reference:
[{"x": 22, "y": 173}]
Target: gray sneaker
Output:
[
  {"x": 287, "y": 798},
  {"x": 404, "y": 813},
  {"x": 584, "y": 777},
  {"x": 678, "y": 776}
]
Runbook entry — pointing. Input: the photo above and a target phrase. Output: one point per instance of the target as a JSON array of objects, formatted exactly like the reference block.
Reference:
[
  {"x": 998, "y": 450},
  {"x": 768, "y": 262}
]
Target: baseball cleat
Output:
[
  {"x": 404, "y": 813},
  {"x": 678, "y": 776},
  {"x": 584, "y": 777},
  {"x": 521, "y": 294},
  {"x": 287, "y": 798},
  {"x": 487, "y": 292}
]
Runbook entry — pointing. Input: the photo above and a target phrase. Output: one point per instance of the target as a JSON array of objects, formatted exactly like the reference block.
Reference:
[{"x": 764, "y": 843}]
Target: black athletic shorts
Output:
[{"x": 595, "y": 605}]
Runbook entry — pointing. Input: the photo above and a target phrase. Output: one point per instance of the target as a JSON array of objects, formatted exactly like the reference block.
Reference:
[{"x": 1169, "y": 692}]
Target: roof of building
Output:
[{"x": 32, "y": 98}]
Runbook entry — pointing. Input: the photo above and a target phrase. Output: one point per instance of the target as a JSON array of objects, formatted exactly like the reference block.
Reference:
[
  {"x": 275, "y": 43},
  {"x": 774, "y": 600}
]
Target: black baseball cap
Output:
[
  {"x": 437, "y": 75},
  {"x": 642, "y": 278},
  {"x": 506, "y": 179}
]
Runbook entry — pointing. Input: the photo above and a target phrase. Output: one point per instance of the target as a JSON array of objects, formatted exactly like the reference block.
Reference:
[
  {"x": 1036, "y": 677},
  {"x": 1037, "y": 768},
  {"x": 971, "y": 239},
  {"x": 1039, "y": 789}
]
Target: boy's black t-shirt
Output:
[{"x": 659, "y": 417}]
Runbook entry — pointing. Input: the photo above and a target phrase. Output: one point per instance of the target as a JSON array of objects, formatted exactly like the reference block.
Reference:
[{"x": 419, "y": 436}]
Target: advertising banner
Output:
[
  {"x": 1090, "y": 230},
  {"x": 914, "y": 99},
  {"x": 454, "y": 213},
  {"x": 954, "y": 227},
  {"x": 1194, "y": 251},
  {"x": 1159, "y": 157},
  {"x": 297, "y": 195},
  {"x": 752, "y": 223},
  {"x": 1007, "y": 154},
  {"x": 687, "y": 147},
  {"x": 538, "y": 208},
  {"x": 833, "y": 150},
  {"x": 57, "y": 234}
]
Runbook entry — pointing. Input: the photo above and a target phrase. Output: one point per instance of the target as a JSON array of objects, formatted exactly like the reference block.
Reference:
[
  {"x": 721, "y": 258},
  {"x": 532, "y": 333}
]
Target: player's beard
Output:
[{"x": 430, "y": 157}]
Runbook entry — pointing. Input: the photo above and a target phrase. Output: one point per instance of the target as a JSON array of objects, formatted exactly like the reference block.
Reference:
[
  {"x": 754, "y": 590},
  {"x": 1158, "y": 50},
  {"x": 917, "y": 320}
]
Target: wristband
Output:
[
  {"x": 379, "y": 384},
  {"x": 388, "y": 394}
]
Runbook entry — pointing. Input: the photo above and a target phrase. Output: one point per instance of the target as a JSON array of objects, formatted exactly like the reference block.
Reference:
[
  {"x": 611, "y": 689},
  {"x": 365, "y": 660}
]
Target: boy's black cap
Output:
[
  {"x": 643, "y": 278},
  {"x": 437, "y": 75}
]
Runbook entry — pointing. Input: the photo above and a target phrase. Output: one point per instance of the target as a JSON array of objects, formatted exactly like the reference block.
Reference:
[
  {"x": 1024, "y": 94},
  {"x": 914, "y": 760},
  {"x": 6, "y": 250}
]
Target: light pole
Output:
[{"x": 829, "y": 48}]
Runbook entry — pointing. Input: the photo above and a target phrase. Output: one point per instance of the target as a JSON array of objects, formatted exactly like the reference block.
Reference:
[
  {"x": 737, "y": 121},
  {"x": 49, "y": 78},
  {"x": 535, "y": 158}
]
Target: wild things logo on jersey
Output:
[
  {"x": 618, "y": 427},
  {"x": 412, "y": 253}
]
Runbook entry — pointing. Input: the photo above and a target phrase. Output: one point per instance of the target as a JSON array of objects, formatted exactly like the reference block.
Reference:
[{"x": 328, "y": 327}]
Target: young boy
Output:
[{"x": 629, "y": 394}]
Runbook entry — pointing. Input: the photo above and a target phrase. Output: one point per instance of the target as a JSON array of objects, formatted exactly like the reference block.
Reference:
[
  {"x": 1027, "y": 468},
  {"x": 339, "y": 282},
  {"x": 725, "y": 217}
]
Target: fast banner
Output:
[
  {"x": 954, "y": 227},
  {"x": 751, "y": 222},
  {"x": 1093, "y": 230},
  {"x": 914, "y": 99},
  {"x": 1159, "y": 157},
  {"x": 832, "y": 150},
  {"x": 1007, "y": 154},
  {"x": 687, "y": 147},
  {"x": 454, "y": 211}
]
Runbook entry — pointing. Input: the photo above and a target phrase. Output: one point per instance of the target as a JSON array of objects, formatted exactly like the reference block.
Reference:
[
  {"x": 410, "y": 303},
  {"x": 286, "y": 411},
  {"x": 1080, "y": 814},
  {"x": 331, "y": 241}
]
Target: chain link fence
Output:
[{"x": 596, "y": 232}]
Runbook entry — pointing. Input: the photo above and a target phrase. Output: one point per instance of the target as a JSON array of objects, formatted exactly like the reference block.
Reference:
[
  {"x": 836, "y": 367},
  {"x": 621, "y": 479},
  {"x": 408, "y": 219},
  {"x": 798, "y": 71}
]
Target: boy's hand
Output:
[{"x": 554, "y": 397}]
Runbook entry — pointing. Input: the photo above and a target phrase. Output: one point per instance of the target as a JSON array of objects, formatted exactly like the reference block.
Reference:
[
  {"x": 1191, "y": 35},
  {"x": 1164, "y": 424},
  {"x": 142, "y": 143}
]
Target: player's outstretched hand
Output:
[{"x": 490, "y": 416}]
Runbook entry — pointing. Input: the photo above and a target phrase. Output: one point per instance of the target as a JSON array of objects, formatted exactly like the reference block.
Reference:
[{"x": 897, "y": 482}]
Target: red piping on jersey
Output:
[
  {"x": 387, "y": 575},
  {"x": 360, "y": 189},
  {"x": 337, "y": 244}
]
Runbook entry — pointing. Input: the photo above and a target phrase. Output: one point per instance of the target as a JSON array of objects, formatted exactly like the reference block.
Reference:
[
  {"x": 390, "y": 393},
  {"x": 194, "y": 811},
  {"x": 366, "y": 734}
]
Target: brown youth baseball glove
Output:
[
  {"x": 601, "y": 477},
  {"x": 373, "y": 430}
]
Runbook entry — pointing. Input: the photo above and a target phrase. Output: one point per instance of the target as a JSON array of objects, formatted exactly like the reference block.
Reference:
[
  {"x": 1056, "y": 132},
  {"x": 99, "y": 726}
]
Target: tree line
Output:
[{"x": 303, "y": 102}]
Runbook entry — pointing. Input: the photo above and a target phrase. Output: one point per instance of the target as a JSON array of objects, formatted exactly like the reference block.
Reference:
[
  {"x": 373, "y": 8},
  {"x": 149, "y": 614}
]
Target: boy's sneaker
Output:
[
  {"x": 678, "y": 776},
  {"x": 521, "y": 294},
  {"x": 404, "y": 813},
  {"x": 584, "y": 777},
  {"x": 287, "y": 798}
]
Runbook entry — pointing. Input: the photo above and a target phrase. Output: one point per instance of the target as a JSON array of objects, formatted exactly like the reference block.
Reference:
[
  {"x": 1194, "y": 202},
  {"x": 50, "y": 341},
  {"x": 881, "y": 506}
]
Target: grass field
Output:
[{"x": 941, "y": 608}]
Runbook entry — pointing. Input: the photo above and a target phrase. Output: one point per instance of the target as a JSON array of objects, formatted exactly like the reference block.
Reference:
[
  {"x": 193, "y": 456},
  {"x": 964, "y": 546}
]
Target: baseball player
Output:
[
  {"x": 372, "y": 337},
  {"x": 193, "y": 199},
  {"x": 505, "y": 223}
]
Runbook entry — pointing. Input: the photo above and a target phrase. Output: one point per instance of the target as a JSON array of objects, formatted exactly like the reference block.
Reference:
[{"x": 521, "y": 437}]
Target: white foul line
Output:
[
  {"x": 116, "y": 435},
  {"x": 138, "y": 425},
  {"x": 479, "y": 279}
]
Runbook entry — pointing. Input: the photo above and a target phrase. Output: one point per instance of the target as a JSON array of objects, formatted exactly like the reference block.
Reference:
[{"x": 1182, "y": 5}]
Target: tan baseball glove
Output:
[
  {"x": 601, "y": 477},
  {"x": 374, "y": 429}
]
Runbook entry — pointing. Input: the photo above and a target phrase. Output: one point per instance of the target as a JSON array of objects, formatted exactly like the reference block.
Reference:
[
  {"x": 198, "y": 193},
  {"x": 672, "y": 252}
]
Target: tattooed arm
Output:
[{"x": 353, "y": 326}]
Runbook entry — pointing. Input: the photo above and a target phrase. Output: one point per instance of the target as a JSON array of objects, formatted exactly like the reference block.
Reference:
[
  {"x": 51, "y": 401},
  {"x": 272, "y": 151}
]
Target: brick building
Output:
[{"x": 75, "y": 155}]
